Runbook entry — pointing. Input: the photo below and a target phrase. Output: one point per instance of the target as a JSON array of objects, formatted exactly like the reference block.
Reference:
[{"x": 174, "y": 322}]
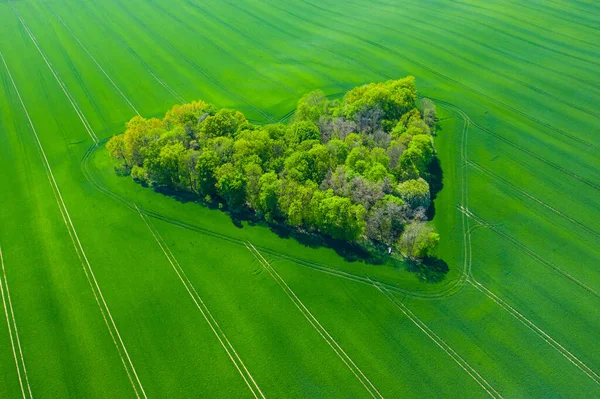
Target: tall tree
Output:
[
  {"x": 231, "y": 186},
  {"x": 415, "y": 193},
  {"x": 418, "y": 241},
  {"x": 206, "y": 167}
]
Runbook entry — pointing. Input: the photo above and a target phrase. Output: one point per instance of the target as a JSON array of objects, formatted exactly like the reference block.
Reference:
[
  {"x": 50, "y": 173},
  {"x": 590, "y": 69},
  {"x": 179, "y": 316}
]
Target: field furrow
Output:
[{"x": 112, "y": 289}]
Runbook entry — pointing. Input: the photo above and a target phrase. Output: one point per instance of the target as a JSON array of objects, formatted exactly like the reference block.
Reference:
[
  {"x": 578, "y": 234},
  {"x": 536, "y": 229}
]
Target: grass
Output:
[{"x": 516, "y": 315}]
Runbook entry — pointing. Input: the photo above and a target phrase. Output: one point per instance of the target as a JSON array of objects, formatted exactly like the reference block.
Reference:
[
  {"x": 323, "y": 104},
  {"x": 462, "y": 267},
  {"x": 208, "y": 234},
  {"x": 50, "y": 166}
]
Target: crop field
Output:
[{"x": 112, "y": 290}]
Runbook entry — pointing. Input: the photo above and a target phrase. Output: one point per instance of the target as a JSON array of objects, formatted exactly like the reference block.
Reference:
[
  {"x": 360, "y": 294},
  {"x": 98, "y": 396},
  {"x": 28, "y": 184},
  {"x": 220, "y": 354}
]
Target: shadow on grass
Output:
[
  {"x": 435, "y": 178},
  {"x": 179, "y": 196},
  {"x": 431, "y": 270},
  {"x": 350, "y": 251},
  {"x": 436, "y": 184}
]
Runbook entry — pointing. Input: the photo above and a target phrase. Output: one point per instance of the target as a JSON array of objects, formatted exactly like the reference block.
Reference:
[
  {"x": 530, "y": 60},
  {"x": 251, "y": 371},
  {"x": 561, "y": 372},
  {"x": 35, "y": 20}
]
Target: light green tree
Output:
[
  {"x": 311, "y": 107},
  {"x": 231, "y": 186},
  {"x": 418, "y": 241},
  {"x": 415, "y": 193}
]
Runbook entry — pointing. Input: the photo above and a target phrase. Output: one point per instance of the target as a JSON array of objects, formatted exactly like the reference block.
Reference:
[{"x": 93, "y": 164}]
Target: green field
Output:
[{"x": 112, "y": 290}]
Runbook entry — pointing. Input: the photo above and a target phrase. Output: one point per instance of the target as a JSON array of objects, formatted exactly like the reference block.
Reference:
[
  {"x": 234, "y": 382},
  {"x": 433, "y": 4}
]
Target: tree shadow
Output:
[
  {"x": 430, "y": 270},
  {"x": 180, "y": 196},
  {"x": 436, "y": 184},
  {"x": 349, "y": 251},
  {"x": 122, "y": 171},
  {"x": 435, "y": 178}
]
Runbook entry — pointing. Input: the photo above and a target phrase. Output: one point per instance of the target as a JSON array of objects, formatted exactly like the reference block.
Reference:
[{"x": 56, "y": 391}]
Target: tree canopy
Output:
[{"x": 354, "y": 168}]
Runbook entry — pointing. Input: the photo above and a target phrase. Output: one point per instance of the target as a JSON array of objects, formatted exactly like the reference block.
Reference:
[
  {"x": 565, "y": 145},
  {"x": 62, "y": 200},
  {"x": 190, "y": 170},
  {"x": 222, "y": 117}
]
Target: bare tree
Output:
[
  {"x": 369, "y": 119},
  {"x": 337, "y": 181},
  {"x": 428, "y": 113},
  {"x": 343, "y": 127},
  {"x": 365, "y": 192},
  {"x": 394, "y": 152},
  {"x": 385, "y": 222},
  {"x": 382, "y": 139},
  {"x": 326, "y": 127},
  {"x": 418, "y": 214}
]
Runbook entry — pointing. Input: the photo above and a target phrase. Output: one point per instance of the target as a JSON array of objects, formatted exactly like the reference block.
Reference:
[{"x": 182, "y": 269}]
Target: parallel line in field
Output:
[
  {"x": 527, "y": 22},
  {"x": 510, "y": 78},
  {"x": 265, "y": 22},
  {"x": 531, "y": 42},
  {"x": 11, "y": 323},
  {"x": 121, "y": 40},
  {"x": 87, "y": 268},
  {"x": 314, "y": 322},
  {"x": 445, "y": 30},
  {"x": 463, "y": 17},
  {"x": 524, "y": 193},
  {"x": 92, "y": 57},
  {"x": 451, "y": 290},
  {"x": 495, "y": 11},
  {"x": 214, "y": 326},
  {"x": 267, "y": 116},
  {"x": 470, "y": 370},
  {"x": 467, "y": 258},
  {"x": 543, "y": 11},
  {"x": 62, "y": 85},
  {"x": 541, "y": 333},
  {"x": 581, "y": 10},
  {"x": 223, "y": 50},
  {"x": 301, "y": 262},
  {"x": 503, "y": 53},
  {"x": 519, "y": 147},
  {"x": 445, "y": 77},
  {"x": 163, "y": 84},
  {"x": 261, "y": 46},
  {"x": 464, "y": 208},
  {"x": 533, "y": 254}
]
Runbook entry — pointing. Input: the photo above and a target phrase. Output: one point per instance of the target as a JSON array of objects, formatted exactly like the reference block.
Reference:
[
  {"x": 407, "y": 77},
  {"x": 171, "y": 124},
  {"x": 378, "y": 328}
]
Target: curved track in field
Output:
[{"x": 451, "y": 288}]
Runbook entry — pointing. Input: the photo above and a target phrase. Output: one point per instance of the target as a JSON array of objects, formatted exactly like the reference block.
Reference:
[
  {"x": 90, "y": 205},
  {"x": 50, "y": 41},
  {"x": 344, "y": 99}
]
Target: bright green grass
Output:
[
  {"x": 524, "y": 73},
  {"x": 512, "y": 359}
]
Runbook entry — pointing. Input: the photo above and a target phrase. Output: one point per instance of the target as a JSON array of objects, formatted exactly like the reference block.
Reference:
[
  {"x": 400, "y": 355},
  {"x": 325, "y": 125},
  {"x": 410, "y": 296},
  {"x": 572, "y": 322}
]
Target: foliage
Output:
[
  {"x": 419, "y": 240},
  {"x": 415, "y": 193},
  {"x": 428, "y": 113},
  {"x": 353, "y": 169}
]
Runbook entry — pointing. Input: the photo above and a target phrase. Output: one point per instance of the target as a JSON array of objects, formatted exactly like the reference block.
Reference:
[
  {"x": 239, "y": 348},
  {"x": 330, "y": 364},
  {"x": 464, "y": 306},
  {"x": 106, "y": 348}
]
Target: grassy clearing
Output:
[{"x": 524, "y": 76}]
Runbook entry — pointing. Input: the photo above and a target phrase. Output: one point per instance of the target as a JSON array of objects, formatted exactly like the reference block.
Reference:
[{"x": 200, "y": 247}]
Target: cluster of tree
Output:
[{"x": 354, "y": 169}]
